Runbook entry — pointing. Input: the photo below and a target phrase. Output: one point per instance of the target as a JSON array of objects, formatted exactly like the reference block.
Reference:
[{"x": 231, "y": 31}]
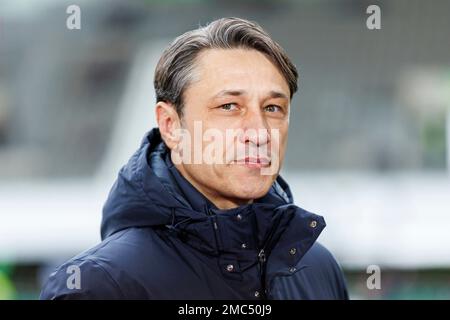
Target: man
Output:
[{"x": 183, "y": 222}]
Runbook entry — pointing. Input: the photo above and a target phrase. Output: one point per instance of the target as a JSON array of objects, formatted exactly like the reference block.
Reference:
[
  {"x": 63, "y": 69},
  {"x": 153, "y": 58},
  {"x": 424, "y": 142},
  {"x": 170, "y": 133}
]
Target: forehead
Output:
[{"x": 240, "y": 69}]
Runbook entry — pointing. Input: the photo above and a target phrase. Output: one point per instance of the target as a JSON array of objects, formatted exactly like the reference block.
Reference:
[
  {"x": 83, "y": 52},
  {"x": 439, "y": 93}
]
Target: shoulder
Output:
[
  {"x": 318, "y": 276},
  {"x": 105, "y": 271},
  {"x": 80, "y": 279},
  {"x": 319, "y": 255},
  {"x": 320, "y": 266}
]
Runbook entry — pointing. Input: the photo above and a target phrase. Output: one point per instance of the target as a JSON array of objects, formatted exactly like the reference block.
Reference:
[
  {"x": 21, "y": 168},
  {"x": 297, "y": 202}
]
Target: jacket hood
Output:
[{"x": 148, "y": 193}]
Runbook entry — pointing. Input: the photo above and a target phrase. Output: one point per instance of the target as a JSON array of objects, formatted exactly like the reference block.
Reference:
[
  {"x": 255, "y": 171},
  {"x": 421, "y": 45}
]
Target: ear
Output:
[{"x": 168, "y": 123}]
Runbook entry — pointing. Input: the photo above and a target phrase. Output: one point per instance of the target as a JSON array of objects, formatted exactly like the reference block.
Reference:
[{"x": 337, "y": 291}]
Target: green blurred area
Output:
[
  {"x": 7, "y": 288},
  {"x": 398, "y": 284},
  {"x": 434, "y": 144}
]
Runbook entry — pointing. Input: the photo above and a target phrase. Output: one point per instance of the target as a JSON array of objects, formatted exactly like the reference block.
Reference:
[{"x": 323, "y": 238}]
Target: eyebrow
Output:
[{"x": 272, "y": 94}]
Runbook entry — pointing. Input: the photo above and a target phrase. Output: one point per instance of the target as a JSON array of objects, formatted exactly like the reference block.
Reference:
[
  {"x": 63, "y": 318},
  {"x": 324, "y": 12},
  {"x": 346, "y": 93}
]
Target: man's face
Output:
[{"x": 236, "y": 89}]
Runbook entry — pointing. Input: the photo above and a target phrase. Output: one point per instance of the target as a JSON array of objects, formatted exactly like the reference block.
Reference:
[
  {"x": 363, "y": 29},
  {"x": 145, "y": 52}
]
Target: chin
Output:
[
  {"x": 251, "y": 190},
  {"x": 249, "y": 184}
]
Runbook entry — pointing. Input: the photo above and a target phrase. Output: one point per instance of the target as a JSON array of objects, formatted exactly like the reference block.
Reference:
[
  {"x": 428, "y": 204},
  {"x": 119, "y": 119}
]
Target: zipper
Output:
[
  {"x": 213, "y": 217},
  {"x": 262, "y": 258},
  {"x": 211, "y": 214},
  {"x": 262, "y": 268}
]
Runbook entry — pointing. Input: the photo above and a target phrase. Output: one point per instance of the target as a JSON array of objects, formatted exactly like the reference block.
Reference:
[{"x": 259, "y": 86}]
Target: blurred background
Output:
[{"x": 369, "y": 143}]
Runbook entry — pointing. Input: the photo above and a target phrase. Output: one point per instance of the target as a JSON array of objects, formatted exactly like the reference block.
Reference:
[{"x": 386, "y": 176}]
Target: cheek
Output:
[
  {"x": 281, "y": 141},
  {"x": 283, "y": 145}
]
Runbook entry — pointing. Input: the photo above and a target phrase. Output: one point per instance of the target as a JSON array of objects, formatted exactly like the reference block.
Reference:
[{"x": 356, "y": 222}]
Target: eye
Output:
[
  {"x": 228, "y": 106},
  {"x": 272, "y": 108}
]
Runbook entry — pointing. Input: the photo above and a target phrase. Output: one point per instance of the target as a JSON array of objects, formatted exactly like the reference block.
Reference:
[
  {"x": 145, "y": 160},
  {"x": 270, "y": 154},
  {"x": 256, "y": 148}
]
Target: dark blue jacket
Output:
[{"x": 162, "y": 239}]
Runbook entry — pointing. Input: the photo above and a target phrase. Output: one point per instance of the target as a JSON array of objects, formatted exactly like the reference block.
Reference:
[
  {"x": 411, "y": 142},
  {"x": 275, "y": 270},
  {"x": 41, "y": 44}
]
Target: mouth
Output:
[{"x": 255, "y": 163}]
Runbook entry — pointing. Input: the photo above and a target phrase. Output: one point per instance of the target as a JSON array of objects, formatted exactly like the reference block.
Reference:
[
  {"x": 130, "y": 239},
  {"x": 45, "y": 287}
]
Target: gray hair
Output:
[{"x": 175, "y": 69}]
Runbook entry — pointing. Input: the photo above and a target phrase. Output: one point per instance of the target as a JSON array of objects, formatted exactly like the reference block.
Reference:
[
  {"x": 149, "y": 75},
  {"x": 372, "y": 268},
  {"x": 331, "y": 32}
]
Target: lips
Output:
[{"x": 254, "y": 162}]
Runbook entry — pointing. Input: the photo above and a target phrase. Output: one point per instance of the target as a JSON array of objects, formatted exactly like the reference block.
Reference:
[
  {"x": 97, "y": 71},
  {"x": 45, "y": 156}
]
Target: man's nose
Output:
[{"x": 256, "y": 129}]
